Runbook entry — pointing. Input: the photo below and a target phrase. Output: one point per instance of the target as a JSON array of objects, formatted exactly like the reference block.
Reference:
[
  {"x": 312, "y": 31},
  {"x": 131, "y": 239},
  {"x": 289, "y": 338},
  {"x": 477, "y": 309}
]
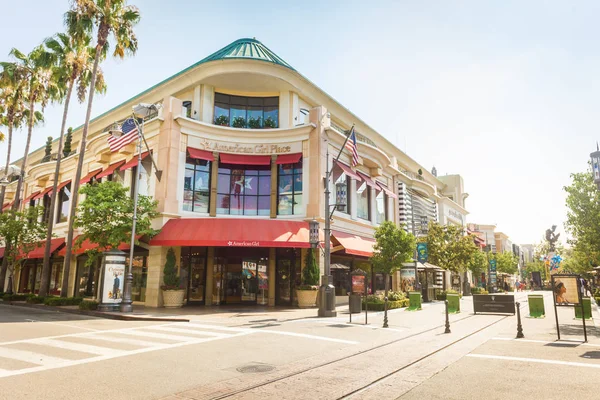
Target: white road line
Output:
[
  {"x": 304, "y": 335},
  {"x": 219, "y": 328},
  {"x": 547, "y": 342},
  {"x": 142, "y": 334},
  {"x": 137, "y": 342},
  {"x": 68, "y": 363},
  {"x": 85, "y": 348},
  {"x": 66, "y": 325},
  {"x": 190, "y": 331},
  {"x": 535, "y": 360},
  {"x": 30, "y": 357}
]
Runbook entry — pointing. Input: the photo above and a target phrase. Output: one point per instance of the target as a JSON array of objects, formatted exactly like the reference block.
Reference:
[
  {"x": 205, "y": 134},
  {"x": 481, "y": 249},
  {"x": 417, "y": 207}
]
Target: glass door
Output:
[
  {"x": 283, "y": 289},
  {"x": 263, "y": 282},
  {"x": 249, "y": 281},
  {"x": 233, "y": 283},
  {"x": 197, "y": 278},
  {"x": 218, "y": 296}
]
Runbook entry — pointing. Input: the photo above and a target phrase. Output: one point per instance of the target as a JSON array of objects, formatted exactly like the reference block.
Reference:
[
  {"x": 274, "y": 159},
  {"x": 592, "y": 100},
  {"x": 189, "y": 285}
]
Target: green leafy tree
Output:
[
  {"x": 73, "y": 58},
  {"x": 393, "y": 247},
  {"x": 507, "y": 262},
  {"x": 68, "y": 142},
  {"x": 310, "y": 273},
  {"x": 108, "y": 18},
  {"x": 478, "y": 263},
  {"x": 583, "y": 216},
  {"x": 106, "y": 216},
  {"x": 534, "y": 266},
  {"x": 20, "y": 233},
  {"x": 48, "y": 150},
  {"x": 170, "y": 276},
  {"x": 577, "y": 262}
]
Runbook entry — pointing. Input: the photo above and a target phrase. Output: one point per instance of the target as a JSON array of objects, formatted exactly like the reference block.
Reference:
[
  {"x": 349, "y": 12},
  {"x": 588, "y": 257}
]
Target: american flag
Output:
[
  {"x": 130, "y": 131},
  {"x": 351, "y": 145}
]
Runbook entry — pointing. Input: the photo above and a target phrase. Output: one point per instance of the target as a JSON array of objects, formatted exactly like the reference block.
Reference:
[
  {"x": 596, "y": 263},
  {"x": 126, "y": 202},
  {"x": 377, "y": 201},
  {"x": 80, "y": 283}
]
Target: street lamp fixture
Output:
[
  {"x": 4, "y": 182},
  {"x": 141, "y": 111},
  {"x": 313, "y": 233}
]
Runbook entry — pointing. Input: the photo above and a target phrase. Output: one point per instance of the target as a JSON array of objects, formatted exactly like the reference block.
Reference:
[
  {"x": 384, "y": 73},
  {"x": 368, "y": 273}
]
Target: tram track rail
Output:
[{"x": 375, "y": 382}]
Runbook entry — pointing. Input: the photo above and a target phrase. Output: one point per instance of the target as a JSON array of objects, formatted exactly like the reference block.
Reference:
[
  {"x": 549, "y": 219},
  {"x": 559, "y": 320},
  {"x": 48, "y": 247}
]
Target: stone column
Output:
[
  {"x": 210, "y": 267},
  {"x": 273, "y": 187},
  {"x": 73, "y": 276},
  {"x": 272, "y": 277},
  {"x": 167, "y": 157},
  {"x": 317, "y": 150},
  {"x": 156, "y": 260},
  {"x": 214, "y": 180}
]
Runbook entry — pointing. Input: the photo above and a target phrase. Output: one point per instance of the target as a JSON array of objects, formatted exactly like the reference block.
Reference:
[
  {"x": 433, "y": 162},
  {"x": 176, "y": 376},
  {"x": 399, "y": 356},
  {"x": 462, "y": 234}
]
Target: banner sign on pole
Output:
[{"x": 422, "y": 252}]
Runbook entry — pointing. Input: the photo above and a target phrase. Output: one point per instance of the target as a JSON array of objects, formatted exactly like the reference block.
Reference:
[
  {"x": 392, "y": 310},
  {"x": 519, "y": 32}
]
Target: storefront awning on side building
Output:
[
  {"x": 232, "y": 232},
  {"x": 87, "y": 245},
  {"x": 354, "y": 244},
  {"x": 38, "y": 251}
]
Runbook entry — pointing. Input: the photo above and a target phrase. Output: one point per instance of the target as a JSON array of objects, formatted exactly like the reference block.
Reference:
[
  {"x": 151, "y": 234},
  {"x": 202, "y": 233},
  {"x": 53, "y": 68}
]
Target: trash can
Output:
[
  {"x": 355, "y": 303},
  {"x": 587, "y": 309},
  {"x": 536, "y": 306},
  {"x": 453, "y": 303}
]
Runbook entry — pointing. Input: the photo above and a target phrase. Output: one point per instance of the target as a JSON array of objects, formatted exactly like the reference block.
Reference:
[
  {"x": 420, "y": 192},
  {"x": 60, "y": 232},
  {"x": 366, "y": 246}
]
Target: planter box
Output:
[
  {"x": 173, "y": 298},
  {"x": 307, "y": 298},
  {"x": 587, "y": 309},
  {"x": 536, "y": 306},
  {"x": 453, "y": 303}
]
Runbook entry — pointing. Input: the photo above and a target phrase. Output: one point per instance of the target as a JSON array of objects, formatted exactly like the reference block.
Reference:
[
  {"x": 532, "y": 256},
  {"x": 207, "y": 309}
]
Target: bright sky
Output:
[{"x": 503, "y": 93}]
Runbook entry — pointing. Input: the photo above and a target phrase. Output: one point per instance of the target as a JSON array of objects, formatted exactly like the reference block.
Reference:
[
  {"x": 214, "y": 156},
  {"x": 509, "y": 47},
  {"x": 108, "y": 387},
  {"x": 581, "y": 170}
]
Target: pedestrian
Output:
[
  {"x": 506, "y": 287},
  {"x": 532, "y": 284},
  {"x": 517, "y": 286}
]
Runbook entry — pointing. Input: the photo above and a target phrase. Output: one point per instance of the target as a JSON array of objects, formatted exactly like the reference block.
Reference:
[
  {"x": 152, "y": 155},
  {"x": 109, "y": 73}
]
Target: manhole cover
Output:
[{"x": 256, "y": 368}]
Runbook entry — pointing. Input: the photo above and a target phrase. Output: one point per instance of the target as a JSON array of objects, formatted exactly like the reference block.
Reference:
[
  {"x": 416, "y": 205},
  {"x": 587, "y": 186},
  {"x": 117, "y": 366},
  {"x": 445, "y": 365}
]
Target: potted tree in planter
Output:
[
  {"x": 239, "y": 122},
  {"x": 222, "y": 120},
  {"x": 270, "y": 123},
  {"x": 172, "y": 292},
  {"x": 307, "y": 292}
]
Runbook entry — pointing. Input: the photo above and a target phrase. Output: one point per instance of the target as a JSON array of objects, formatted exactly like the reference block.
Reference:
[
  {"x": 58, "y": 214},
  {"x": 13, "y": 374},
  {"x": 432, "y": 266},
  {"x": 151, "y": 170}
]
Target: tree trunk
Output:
[
  {"x": 20, "y": 183},
  {"x": 8, "y": 150},
  {"x": 46, "y": 270},
  {"x": 75, "y": 188},
  {"x": 387, "y": 283},
  {"x": 4, "y": 267}
]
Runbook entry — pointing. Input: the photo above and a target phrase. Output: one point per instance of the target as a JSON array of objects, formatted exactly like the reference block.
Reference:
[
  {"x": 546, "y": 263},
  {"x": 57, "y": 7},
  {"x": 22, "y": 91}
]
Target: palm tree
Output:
[
  {"x": 34, "y": 70},
  {"x": 74, "y": 60},
  {"x": 112, "y": 18},
  {"x": 11, "y": 100}
]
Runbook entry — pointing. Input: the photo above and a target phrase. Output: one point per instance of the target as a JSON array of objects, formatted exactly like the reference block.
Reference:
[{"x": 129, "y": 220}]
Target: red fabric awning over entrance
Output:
[
  {"x": 59, "y": 187},
  {"x": 348, "y": 171},
  {"x": 87, "y": 245},
  {"x": 110, "y": 169},
  {"x": 200, "y": 154},
  {"x": 133, "y": 162},
  {"x": 354, "y": 244},
  {"x": 368, "y": 181},
  {"x": 245, "y": 160},
  {"x": 38, "y": 252},
  {"x": 7, "y": 206},
  {"x": 32, "y": 195},
  {"x": 45, "y": 192},
  {"x": 288, "y": 158},
  {"x": 387, "y": 191},
  {"x": 89, "y": 176},
  {"x": 232, "y": 232}
]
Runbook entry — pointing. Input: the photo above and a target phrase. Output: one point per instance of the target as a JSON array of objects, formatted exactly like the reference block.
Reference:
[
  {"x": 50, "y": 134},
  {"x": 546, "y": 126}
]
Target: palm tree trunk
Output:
[
  {"x": 20, "y": 183},
  {"x": 45, "y": 280},
  {"x": 3, "y": 190},
  {"x": 4, "y": 267},
  {"x": 75, "y": 189}
]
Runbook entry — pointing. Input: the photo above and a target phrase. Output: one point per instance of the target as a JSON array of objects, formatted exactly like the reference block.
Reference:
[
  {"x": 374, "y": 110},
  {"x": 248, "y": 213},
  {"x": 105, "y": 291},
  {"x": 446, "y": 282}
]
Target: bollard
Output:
[
  {"x": 447, "y": 318},
  {"x": 519, "y": 326},
  {"x": 349, "y": 307},
  {"x": 385, "y": 318}
]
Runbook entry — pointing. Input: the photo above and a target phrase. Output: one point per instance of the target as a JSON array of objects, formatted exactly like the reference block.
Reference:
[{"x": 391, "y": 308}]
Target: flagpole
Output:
[{"x": 345, "y": 141}]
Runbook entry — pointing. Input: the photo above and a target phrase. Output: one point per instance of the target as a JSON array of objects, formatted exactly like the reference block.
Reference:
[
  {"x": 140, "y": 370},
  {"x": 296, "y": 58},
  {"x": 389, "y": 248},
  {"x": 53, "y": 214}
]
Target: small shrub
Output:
[
  {"x": 270, "y": 123},
  {"x": 33, "y": 299},
  {"x": 222, "y": 120},
  {"x": 239, "y": 122},
  {"x": 442, "y": 295},
  {"x": 171, "y": 278},
  {"x": 88, "y": 305},
  {"x": 598, "y": 300},
  {"x": 396, "y": 296},
  {"x": 379, "y": 305},
  {"x": 62, "y": 301},
  {"x": 255, "y": 123},
  {"x": 14, "y": 297}
]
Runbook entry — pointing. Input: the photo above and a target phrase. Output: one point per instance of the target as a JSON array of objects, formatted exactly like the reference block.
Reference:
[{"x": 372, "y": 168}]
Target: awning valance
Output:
[
  {"x": 232, "y": 232},
  {"x": 288, "y": 158},
  {"x": 387, "y": 191},
  {"x": 41, "y": 195},
  {"x": 59, "y": 187},
  {"x": 110, "y": 169},
  {"x": 38, "y": 251},
  {"x": 7, "y": 206},
  {"x": 87, "y": 245},
  {"x": 244, "y": 159},
  {"x": 368, "y": 180},
  {"x": 89, "y": 176},
  {"x": 200, "y": 154},
  {"x": 133, "y": 162},
  {"x": 348, "y": 171},
  {"x": 354, "y": 244},
  {"x": 31, "y": 196}
]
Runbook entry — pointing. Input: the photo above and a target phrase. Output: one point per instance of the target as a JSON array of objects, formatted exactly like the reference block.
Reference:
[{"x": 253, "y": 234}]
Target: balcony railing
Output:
[
  {"x": 412, "y": 175},
  {"x": 359, "y": 137}
]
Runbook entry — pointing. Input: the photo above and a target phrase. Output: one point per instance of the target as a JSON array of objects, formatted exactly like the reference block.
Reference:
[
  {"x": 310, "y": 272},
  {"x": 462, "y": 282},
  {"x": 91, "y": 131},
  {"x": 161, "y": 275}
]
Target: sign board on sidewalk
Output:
[
  {"x": 358, "y": 284},
  {"x": 494, "y": 303}
]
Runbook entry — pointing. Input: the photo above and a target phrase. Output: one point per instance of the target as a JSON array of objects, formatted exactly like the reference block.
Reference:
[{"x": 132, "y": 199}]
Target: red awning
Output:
[
  {"x": 353, "y": 244},
  {"x": 200, "y": 154},
  {"x": 110, "y": 169},
  {"x": 288, "y": 158},
  {"x": 7, "y": 205},
  {"x": 59, "y": 187},
  {"x": 41, "y": 195},
  {"x": 232, "y": 232},
  {"x": 89, "y": 176},
  {"x": 368, "y": 180},
  {"x": 31, "y": 196},
  {"x": 133, "y": 162},
  {"x": 87, "y": 245},
  {"x": 38, "y": 252},
  {"x": 348, "y": 171},
  {"x": 387, "y": 191},
  {"x": 244, "y": 159}
]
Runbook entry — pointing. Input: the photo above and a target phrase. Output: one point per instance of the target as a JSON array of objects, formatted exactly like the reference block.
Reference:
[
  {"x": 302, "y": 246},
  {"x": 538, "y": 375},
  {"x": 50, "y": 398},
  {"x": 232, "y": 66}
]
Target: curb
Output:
[{"x": 91, "y": 313}]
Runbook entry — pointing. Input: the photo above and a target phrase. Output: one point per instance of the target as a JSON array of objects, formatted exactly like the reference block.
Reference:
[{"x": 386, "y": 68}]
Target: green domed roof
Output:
[{"x": 247, "y": 49}]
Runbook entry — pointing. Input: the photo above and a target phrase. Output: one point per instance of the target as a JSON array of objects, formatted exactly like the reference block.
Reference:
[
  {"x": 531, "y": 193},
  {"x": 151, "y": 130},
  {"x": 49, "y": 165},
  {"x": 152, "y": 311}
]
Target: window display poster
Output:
[
  {"x": 565, "y": 290},
  {"x": 112, "y": 291},
  {"x": 407, "y": 279},
  {"x": 358, "y": 284}
]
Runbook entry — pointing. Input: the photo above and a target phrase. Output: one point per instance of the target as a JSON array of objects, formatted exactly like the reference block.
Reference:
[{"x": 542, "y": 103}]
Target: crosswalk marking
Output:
[
  {"x": 189, "y": 331},
  {"x": 85, "y": 348},
  {"x": 159, "y": 335},
  {"x": 137, "y": 342},
  {"x": 30, "y": 356}
]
